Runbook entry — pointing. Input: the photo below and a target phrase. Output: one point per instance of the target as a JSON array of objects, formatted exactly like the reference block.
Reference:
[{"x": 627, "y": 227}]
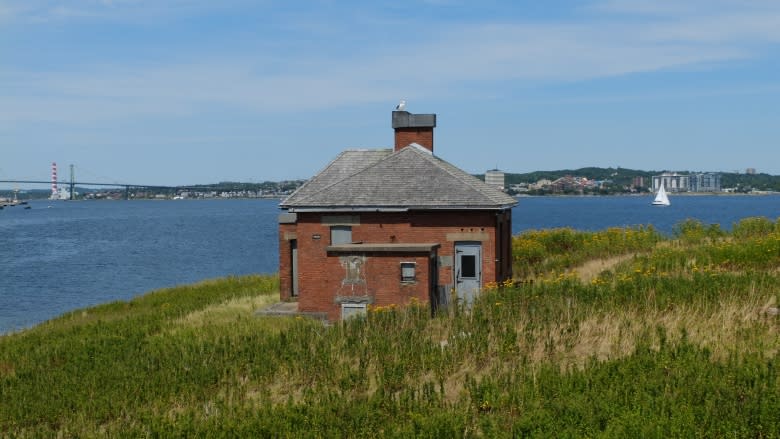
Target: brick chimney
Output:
[{"x": 413, "y": 128}]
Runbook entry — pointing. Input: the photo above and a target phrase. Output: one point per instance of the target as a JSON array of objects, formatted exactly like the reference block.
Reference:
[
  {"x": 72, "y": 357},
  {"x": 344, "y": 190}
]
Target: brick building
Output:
[{"x": 386, "y": 226}]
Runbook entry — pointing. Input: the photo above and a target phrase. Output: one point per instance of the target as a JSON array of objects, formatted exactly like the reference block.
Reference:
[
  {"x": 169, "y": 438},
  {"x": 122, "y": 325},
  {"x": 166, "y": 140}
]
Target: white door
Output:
[{"x": 468, "y": 270}]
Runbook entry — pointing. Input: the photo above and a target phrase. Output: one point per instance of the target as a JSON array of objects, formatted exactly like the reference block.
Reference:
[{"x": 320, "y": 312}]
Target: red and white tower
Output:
[{"x": 54, "y": 193}]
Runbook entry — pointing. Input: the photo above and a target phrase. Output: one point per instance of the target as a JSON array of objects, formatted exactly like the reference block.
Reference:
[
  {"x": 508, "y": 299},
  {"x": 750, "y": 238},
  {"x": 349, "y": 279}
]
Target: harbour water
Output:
[{"x": 59, "y": 256}]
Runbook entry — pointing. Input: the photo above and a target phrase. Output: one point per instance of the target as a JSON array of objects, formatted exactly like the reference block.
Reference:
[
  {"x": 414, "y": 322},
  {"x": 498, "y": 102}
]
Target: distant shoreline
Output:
[
  {"x": 646, "y": 194},
  {"x": 649, "y": 195}
]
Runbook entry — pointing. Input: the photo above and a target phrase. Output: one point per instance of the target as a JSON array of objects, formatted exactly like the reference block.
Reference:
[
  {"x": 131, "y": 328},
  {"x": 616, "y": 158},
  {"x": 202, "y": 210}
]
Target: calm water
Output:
[
  {"x": 77, "y": 254},
  {"x": 596, "y": 213},
  {"x": 82, "y": 253}
]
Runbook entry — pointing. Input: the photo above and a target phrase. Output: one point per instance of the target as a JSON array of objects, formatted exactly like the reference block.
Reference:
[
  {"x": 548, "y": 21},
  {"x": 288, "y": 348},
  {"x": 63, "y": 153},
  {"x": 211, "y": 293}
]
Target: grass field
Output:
[{"x": 618, "y": 333}]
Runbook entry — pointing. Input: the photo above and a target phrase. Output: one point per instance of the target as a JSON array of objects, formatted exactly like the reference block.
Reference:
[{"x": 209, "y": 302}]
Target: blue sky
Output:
[{"x": 201, "y": 91}]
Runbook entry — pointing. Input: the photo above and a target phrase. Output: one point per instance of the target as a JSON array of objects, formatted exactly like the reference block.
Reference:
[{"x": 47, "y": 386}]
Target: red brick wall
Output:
[
  {"x": 384, "y": 278},
  {"x": 321, "y": 274},
  {"x": 286, "y": 231},
  {"x": 382, "y": 283},
  {"x": 504, "y": 246},
  {"x": 420, "y": 136}
]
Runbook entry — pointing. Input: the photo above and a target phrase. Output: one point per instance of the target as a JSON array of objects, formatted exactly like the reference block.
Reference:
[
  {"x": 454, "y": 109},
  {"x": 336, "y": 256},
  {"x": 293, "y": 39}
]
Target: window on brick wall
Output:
[
  {"x": 340, "y": 235},
  {"x": 408, "y": 271}
]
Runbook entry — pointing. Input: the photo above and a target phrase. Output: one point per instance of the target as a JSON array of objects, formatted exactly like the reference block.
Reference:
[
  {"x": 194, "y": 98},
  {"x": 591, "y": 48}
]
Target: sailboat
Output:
[{"x": 660, "y": 198}]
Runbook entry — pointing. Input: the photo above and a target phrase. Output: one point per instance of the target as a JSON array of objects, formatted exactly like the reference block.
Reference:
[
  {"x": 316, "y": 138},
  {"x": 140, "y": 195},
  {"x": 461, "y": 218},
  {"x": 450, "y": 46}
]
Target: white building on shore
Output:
[
  {"x": 62, "y": 194},
  {"x": 495, "y": 178},
  {"x": 674, "y": 182}
]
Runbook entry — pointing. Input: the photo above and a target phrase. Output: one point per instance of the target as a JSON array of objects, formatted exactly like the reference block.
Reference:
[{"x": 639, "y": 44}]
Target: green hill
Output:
[
  {"x": 620, "y": 176},
  {"x": 618, "y": 333}
]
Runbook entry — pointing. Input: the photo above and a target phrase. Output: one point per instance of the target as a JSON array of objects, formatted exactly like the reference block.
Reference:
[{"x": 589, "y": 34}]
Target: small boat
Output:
[{"x": 660, "y": 198}]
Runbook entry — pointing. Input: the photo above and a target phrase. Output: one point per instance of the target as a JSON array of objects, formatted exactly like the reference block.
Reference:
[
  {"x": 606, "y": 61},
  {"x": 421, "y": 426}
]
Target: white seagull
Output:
[{"x": 401, "y": 105}]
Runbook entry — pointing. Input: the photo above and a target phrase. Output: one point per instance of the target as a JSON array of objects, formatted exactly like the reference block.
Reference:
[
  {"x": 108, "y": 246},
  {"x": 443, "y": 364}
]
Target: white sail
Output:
[{"x": 660, "y": 198}]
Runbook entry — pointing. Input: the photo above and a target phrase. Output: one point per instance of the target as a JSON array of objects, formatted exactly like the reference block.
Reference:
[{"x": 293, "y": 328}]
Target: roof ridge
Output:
[
  {"x": 411, "y": 177},
  {"x": 348, "y": 176},
  {"x": 309, "y": 181},
  {"x": 394, "y": 153},
  {"x": 463, "y": 176}
]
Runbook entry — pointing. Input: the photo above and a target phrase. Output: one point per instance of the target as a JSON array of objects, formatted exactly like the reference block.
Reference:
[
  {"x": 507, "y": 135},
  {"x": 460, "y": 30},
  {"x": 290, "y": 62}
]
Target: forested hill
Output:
[
  {"x": 746, "y": 182},
  {"x": 625, "y": 177},
  {"x": 617, "y": 175}
]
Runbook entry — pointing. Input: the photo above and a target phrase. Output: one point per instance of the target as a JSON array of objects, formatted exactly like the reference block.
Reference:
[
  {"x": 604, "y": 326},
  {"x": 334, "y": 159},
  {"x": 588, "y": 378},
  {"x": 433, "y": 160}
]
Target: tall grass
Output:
[
  {"x": 677, "y": 340},
  {"x": 539, "y": 251}
]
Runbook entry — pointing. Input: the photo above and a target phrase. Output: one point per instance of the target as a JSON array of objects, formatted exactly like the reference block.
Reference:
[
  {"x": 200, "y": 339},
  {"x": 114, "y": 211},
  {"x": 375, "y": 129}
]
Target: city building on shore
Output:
[
  {"x": 495, "y": 177},
  {"x": 674, "y": 182}
]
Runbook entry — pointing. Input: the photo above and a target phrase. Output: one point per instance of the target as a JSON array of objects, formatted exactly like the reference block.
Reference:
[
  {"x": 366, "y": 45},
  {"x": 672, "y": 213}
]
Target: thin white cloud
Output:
[
  {"x": 558, "y": 52},
  {"x": 6, "y": 12},
  {"x": 46, "y": 11},
  {"x": 475, "y": 54},
  {"x": 741, "y": 28},
  {"x": 700, "y": 21},
  {"x": 677, "y": 8}
]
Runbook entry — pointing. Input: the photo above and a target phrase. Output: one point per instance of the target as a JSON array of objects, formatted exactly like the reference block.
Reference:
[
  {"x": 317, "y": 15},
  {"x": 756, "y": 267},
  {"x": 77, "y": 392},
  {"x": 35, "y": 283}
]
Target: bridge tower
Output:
[
  {"x": 54, "y": 193},
  {"x": 72, "y": 179}
]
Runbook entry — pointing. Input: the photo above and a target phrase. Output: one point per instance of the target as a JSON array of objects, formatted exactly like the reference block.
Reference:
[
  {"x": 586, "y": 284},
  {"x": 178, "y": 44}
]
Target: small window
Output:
[
  {"x": 407, "y": 271},
  {"x": 349, "y": 310},
  {"x": 340, "y": 235},
  {"x": 468, "y": 266}
]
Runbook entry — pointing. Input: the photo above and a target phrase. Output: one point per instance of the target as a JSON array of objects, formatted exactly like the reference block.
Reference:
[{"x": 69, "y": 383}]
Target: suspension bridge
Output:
[
  {"x": 72, "y": 183},
  {"x": 126, "y": 187}
]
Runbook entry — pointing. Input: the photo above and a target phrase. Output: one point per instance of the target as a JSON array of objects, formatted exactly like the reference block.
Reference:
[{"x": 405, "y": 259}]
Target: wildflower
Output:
[{"x": 490, "y": 286}]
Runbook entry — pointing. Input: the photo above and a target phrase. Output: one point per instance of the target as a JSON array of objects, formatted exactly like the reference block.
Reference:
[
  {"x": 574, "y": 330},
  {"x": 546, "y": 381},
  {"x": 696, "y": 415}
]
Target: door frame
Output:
[
  {"x": 464, "y": 248},
  {"x": 293, "y": 268}
]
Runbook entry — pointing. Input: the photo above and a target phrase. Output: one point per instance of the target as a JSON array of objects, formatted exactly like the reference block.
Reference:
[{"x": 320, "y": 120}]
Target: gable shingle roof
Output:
[{"x": 411, "y": 178}]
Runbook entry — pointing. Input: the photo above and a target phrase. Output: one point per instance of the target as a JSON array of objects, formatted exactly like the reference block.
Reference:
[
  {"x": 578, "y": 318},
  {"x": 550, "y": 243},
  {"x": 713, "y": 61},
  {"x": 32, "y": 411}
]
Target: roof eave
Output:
[
  {"x": 344, "y": 209},
  {"x": 392, "y": 208}
]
